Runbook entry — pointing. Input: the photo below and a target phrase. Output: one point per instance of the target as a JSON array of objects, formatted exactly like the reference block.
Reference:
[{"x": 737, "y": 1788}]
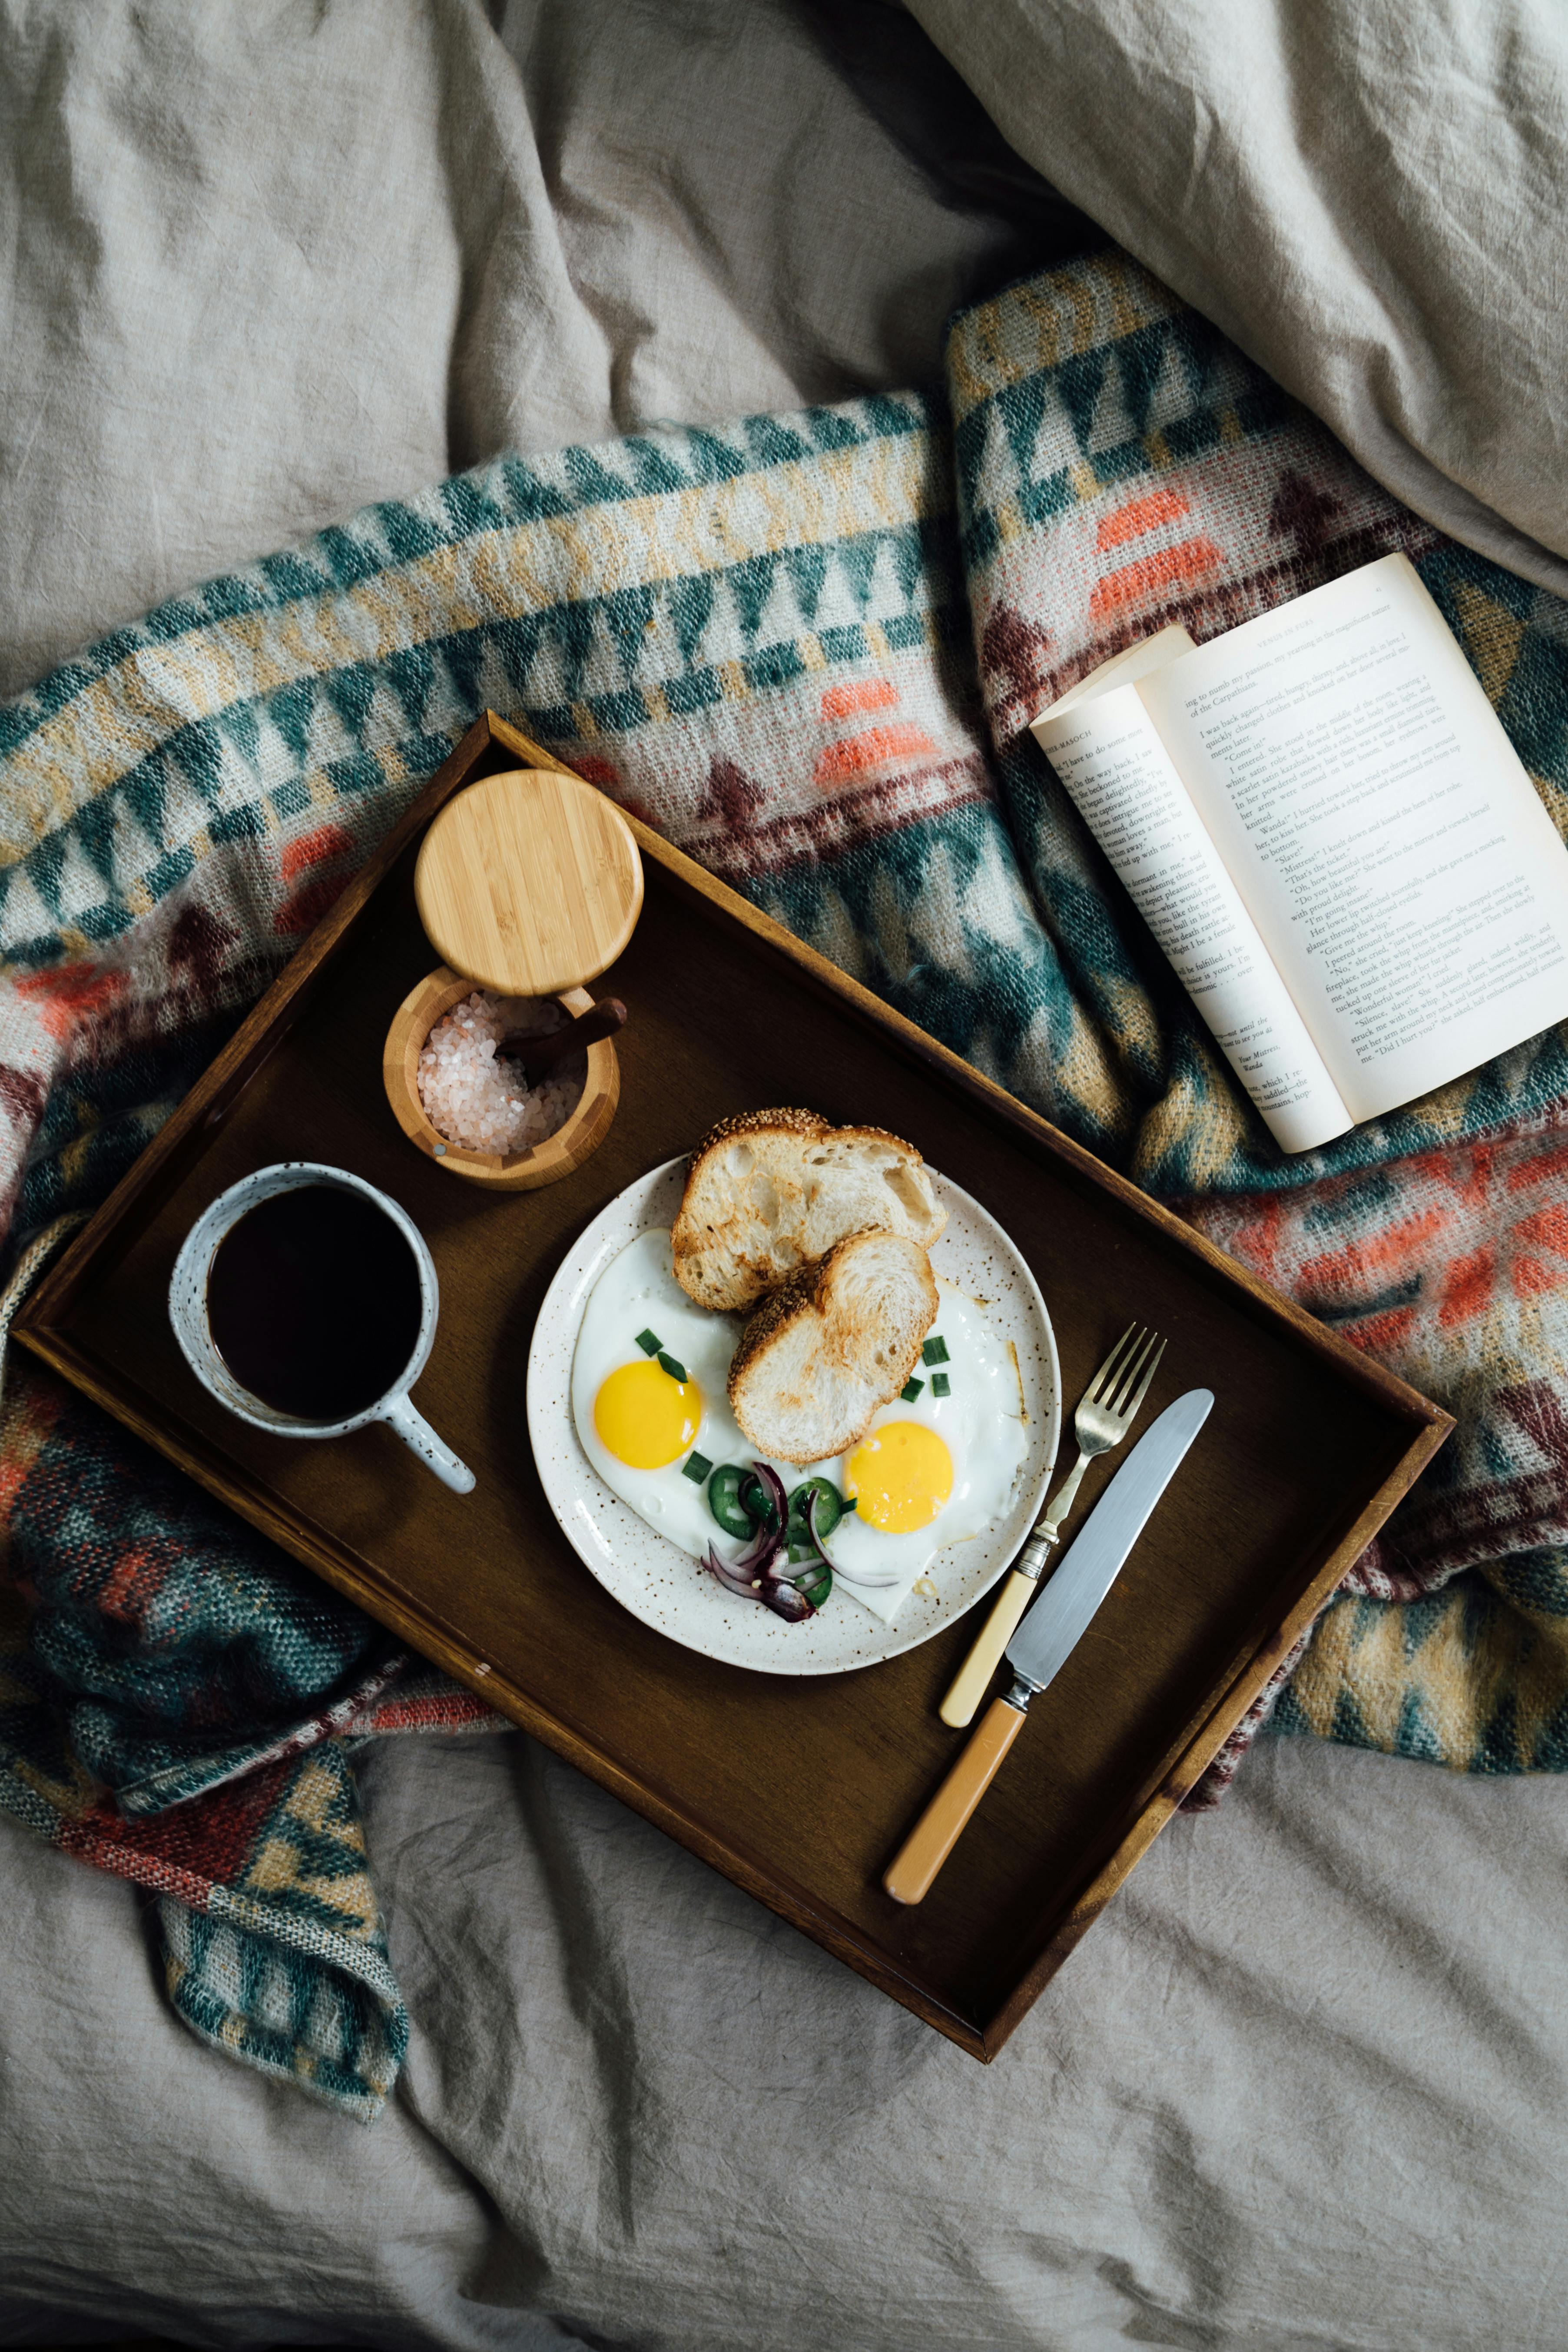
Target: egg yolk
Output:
[
  {"x": 645, "y": 1417},
  {"x": 900, "y": 1476}
]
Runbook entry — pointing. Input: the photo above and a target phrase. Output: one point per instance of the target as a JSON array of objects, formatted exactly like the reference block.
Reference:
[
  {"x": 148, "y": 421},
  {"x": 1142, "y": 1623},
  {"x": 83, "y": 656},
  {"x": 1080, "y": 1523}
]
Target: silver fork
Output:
[{"x": 1106, "y": 1412}]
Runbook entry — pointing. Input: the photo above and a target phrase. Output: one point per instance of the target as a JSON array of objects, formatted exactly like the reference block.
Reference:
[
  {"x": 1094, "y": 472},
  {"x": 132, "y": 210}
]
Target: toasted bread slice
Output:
[
  {"x": 833, "y": 1343},
  {"x": 775, "y": 1190}
]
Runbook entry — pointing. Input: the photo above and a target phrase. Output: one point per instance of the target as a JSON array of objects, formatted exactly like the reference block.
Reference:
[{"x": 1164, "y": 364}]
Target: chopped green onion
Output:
[
  {"x": 911, "y": 1390},
  {"x": 649, "y": 1342},
  {"x": 696, "y": 1467},
  {"x": 677, "y": 1371},
  {"x": 940, "y": 1385},
  {"x": 934, "y": 1351}
]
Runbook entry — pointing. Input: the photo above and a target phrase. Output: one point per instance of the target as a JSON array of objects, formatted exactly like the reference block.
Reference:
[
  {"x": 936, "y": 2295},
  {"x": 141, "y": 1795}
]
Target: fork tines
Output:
[{"x": 1138, "y": 1351}]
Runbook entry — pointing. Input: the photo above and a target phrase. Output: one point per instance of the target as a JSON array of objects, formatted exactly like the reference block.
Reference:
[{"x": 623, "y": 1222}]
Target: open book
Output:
[{"x": 1327, "y": 831}]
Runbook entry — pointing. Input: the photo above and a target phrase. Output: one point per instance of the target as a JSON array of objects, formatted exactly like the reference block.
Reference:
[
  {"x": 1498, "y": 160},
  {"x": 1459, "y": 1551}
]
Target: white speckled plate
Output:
[{"x": 664, "y": 1585}]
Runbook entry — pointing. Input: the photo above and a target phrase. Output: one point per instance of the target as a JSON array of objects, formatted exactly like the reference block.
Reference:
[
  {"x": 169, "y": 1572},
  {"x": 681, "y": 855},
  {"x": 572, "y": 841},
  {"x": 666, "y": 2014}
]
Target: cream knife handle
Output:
[
  {"x": 973, "y": 1677},
  {"x": 969, "y": 1689},
  {"x": 934, "y": 1835}
]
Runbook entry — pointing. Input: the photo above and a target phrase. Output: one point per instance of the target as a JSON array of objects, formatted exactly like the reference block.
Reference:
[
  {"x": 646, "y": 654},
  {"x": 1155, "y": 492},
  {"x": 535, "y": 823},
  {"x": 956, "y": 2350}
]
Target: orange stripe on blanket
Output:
[
  {"x": 1467, "y": 1291},
  {"x": 1533, "y": 1275},
  {"x": 1337, "y": 1271},
  {"x": 1171, "y": 567},
  {"x": 28, "y": 1423},
  {"x": 313, "y": 849},
  {"x": 120, "y": 1591},
  {"x": 1552, "y": 1160},
  {"x": 70, "y": 993},
  {"x": 859, "y": 694},
  {"x": 1547, "y": 1229},
  {"x": 1381, "y": 1334},
  {"x": 853, "y": 754},
  {"x": 1140, "y": 514}
]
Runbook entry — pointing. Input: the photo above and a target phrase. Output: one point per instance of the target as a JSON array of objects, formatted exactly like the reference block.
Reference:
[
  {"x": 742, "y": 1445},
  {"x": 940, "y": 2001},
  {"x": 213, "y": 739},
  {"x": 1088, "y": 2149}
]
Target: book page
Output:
[
  {"x": 1135, "y": 661},
  {"x": 1380, "y": 828},
  {"x": 1111, "y": 760}
]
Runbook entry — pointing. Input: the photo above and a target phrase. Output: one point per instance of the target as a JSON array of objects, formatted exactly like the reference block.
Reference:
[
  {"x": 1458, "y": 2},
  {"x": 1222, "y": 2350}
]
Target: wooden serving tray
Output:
[{"x": 1308, "y": 1449}]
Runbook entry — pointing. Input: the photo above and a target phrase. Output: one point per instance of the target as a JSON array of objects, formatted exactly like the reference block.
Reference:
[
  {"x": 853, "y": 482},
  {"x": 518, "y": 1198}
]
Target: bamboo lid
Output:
[{"x": 529, "y": 883}]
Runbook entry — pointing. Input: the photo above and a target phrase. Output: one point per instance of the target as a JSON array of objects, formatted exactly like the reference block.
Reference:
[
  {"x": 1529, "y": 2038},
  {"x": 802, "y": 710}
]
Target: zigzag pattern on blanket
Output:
[
  {"x": 1452, "y": 1268},
  {"x": 1121, "y": 466},
  {"x": 619, "y": 592},
  {"x": 177, "y": 1712},
  {"x": 755, "y": 639}
]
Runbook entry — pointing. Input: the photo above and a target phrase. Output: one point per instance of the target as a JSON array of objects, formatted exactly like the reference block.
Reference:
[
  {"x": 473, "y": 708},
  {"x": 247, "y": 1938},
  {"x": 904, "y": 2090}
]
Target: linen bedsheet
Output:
[
  {"x": 1366, "y": 199},
  {"x": 635, "y": 2102}
]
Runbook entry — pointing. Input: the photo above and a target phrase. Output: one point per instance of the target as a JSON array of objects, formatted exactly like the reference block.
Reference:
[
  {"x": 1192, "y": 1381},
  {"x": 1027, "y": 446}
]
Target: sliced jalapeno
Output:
[
  {"x": 829, "y": 1508},
  {"x": 724, "y": 1500},
  {"x": 754, "y": 1498}
]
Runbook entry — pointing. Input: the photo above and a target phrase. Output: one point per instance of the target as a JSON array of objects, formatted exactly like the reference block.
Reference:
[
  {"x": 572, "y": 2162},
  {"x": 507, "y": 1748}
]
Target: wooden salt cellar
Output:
[{"x": 528, "y": 883}]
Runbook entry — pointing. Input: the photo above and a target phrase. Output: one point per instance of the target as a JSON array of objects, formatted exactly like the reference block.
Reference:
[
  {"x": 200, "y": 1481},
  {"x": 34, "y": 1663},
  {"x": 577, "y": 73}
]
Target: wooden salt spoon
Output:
[{"x": 539, "y": 1054}]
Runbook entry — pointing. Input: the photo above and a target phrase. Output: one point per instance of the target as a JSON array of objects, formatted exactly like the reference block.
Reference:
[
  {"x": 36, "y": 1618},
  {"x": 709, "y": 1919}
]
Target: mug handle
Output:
[{"x": 420, "y": 1438}]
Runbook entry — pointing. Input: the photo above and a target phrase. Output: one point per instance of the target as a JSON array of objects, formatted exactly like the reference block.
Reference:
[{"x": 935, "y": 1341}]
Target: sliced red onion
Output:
[
  {"x": 755, "y": 1577},
  {"x": 762, "y": 1550},
  {"x": 773, "y": 1487},
  {"x": 760, "y": 1554},
  {"x": 871, "y": 1583},
  {"x": 732, "y": 1581},
  {"x": 785, "y": 1600},
  {"x": 812, "y": 1501},
  {"x": 774, "y": 1593}
]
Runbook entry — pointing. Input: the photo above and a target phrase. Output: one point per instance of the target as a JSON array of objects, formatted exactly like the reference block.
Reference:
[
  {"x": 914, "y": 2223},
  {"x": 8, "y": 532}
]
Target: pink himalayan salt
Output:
[{"x": 476, "y": 1097}]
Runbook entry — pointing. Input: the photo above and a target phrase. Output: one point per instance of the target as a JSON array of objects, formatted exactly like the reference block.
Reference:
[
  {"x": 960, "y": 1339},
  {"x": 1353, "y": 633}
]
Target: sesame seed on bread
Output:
[
  {"x": 831, "y": 1345},
  {"x": 771, "y": 1191}
]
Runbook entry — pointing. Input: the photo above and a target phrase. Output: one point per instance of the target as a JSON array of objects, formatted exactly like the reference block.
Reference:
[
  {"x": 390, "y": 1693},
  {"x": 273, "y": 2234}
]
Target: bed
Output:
[{"x": 1304, "y": 2085}]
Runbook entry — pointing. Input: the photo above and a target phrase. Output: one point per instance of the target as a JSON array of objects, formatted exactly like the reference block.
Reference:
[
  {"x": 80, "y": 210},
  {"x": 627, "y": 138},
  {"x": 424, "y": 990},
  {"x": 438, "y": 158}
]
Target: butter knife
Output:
[{"x": 1050, "y": 1633}]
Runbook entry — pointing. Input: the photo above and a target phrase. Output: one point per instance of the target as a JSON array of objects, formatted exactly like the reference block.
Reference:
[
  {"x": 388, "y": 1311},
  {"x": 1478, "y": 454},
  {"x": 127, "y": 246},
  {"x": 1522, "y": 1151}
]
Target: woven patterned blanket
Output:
[{"x": 805, "y": 648}]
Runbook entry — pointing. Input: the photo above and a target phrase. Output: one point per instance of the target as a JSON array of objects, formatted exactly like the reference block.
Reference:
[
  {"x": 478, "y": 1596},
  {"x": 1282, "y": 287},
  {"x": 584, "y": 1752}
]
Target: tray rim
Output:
[{"x": 1238, "y": 1682}]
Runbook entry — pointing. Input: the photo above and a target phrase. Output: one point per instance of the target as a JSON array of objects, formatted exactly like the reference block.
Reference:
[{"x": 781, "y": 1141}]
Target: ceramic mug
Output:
[{"x": 188, "y": 1314}]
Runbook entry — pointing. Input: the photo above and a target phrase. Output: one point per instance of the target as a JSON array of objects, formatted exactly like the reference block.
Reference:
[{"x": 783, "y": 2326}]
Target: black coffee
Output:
[{"x": 313, "y": 1302}]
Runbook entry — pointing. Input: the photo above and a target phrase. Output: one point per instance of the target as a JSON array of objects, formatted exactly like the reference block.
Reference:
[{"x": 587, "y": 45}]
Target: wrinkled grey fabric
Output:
[
  {"x": 1303, "y": 2085},
  {"x": 264, "y": 260},
  {"x": 1365, "y": 195}
]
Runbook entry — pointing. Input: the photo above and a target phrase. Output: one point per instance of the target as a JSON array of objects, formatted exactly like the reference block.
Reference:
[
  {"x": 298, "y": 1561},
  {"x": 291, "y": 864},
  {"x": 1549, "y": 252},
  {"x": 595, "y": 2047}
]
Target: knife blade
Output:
[
  {"x": 1050, "y": 1633},
  {"x": 1052, "y": 1629}
]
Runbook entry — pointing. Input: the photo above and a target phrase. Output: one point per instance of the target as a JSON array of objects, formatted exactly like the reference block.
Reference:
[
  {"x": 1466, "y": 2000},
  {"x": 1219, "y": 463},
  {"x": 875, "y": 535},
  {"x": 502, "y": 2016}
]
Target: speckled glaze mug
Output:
[{"x": 188, "y": 1314}]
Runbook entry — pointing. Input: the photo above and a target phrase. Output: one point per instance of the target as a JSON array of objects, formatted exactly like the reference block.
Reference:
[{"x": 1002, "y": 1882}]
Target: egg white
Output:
[{"x": 982, "y": 1422}]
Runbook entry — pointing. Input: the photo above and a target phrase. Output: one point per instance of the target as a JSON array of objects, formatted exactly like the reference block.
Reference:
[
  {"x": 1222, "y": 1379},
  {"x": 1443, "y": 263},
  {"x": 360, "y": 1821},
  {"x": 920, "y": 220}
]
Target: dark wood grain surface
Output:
[{"x": 798, "y": 1788}]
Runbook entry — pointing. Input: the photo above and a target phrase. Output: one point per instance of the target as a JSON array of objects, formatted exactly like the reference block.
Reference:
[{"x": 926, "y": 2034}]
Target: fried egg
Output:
[{"x": 650, "y": 1403}]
